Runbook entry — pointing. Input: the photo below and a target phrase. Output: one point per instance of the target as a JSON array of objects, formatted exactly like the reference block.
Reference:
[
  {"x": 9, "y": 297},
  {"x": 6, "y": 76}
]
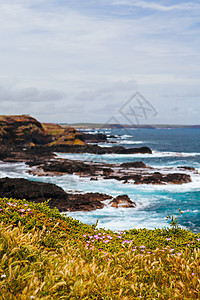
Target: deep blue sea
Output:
[{"x": 172, "y": 148}]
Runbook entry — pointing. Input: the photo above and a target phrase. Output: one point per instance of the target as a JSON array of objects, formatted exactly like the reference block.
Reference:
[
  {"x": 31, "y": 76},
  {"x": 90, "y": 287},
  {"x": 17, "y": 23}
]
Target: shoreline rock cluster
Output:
[
  {"x": 136, "y": 172},
  {"x": 20, "y": 188}
]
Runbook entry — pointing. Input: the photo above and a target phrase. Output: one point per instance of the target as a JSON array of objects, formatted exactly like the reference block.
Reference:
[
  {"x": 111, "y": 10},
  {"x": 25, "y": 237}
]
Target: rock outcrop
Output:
[
  {"x": 158, "y": 178},
  {"x": 86, "y": 202},
  {"x": 135, "y": 164},
  {"x": 140, "y": 174},
  {"x": 22, "y": 131},
  {"x": 95, "y": 149},
  {"x": 63, "y": 136},
  {"x": 122, "y": 201},
  {"x": 75, "y": 167},
  {"x": 95, "y": 138},
  {"x": 20, "y": 188}
]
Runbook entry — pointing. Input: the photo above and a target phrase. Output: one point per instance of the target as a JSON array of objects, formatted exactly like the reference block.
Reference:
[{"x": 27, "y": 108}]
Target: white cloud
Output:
[
  {"x": 67, "y": 55},
  {"x": 31, "y": 94},
  {"x": 157, "y": 6}
]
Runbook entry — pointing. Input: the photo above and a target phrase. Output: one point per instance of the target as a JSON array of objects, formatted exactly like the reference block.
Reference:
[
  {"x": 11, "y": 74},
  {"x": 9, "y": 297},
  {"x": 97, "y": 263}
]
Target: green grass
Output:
[{"x": 45, "y": 255}]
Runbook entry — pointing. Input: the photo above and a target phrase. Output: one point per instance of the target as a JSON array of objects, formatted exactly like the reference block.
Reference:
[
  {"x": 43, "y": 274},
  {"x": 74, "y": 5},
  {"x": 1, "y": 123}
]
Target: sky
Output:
[{"x": 68, "y": 61}]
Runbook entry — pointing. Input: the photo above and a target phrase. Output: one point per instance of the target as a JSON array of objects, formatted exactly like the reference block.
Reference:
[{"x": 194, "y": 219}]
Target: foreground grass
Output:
[{"x": 47, "y": 256}]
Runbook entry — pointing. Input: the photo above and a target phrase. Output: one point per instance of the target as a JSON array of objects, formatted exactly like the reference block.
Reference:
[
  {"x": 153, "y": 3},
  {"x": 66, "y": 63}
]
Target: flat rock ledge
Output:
[{"x": 135, "y": 172}]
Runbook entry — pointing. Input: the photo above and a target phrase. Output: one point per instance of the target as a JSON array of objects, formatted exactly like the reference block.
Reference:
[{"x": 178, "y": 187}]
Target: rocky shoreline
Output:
[
  {"x": 24, "y": 139},
  {"x": 20, "y": 188},
  {"x": 135, "y": 172}
]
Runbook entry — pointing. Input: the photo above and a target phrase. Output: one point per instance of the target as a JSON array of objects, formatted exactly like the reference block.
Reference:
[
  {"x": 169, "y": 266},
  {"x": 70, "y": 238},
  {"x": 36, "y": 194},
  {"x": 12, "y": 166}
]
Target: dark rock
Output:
[
  {"x": 94, "y": 138},
  {"x": 122, "y": 201},
  {"x": 107, "y": 171},
  {"x": 100, "y": 150},
  {"x": 142, "y": 150},
  {"x": 70, "y": 167},
  {"x": 32, "y": 156},
  {"x": 149, "y": 179},
  {"x": 136, "y": 164},
  {"x": 158, "y": 178},
  {"x": 177, "y": 178},
  {"x": 187, "y": 168},
  {"x": 87, "y": 202},
  {"x": 20, "y": 188},
  {"x": 63, "y": 166},
  {"x": 38, "y": 192}
]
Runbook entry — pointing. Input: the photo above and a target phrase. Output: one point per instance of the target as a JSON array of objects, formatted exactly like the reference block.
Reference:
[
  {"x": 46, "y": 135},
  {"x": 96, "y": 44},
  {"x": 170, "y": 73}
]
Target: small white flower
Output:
[
  {"x": 32, "y": 297},
  {"x": 3, "y": 276}
]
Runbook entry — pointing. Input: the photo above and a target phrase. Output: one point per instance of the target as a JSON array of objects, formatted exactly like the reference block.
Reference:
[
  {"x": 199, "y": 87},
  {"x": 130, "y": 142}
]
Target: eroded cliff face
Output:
[
  {"x": 63, "y": 136},
  {"x": 26, "y": 131},
  {"x": 23, "y": 131}
]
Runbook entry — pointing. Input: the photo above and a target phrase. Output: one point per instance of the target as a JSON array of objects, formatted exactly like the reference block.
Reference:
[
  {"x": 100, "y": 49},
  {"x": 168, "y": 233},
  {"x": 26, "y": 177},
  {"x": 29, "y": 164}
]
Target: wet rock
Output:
[
  {"x": 122, "y": 201},
  {"x": 177, "y": 178},
  {"x": 107, "y": 171},
  {"x": 100, "y": 150},
  {"x": 87, "y": 202},
  {"x": 158, "y": 178},
  {"x": 135, "y": 164},
  {"x": 187, "y": 168},
  {"x": 71, "y": 167}
]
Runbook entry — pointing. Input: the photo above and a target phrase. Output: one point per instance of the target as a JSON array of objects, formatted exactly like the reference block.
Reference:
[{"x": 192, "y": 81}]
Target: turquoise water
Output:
[{"x": 172, "y": 148}]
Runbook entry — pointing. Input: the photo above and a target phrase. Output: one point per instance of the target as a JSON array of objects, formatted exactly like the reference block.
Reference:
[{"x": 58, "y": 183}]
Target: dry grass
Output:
[
  {"x": 29, "y": 271},
  {"x": 68, "y": 260}
]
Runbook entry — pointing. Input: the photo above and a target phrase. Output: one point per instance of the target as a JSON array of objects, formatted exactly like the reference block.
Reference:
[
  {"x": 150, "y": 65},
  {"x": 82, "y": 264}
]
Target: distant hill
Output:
[{"x": 147, "y": 126}]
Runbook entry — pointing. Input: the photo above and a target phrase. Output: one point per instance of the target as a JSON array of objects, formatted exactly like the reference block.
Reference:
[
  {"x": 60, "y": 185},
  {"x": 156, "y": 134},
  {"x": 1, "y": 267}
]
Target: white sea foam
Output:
[
  {"x": 120, "y": 142},
  {"x": 127, "y": 142},
  {"x": 155, "y": 154},
  {"x": 146, "y": 196},
  {"x": 101, "y": 157},
  {"x": 13, "y": 170},
  {"x": 126, "y": 136},
  {"x": 121, "y": 218}
]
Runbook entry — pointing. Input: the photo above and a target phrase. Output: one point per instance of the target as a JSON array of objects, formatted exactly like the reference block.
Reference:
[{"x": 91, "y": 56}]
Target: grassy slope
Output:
[{"x": 47, "y": 256}]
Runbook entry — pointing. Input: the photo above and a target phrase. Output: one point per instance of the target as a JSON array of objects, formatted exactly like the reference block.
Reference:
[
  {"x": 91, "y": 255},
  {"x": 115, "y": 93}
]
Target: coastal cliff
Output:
[
  {"x": 23, "y": 131},
  {"x": 23, "y": 138},
  {"x": 63, "y": 136},
  {"x": 26, "y": 131}
]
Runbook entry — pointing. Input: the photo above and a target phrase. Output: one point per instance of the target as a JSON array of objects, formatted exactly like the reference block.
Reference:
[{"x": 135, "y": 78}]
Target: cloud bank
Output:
[{"x": 73, "y": 61}]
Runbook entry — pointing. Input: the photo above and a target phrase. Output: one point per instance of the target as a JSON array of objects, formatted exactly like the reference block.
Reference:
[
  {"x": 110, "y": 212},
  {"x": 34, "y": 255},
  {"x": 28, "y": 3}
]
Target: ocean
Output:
[{"x": 172, "y": 148}]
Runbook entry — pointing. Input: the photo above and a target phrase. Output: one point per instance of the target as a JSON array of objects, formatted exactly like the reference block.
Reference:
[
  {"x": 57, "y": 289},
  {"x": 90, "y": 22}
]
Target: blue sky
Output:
[{"x": 80, "y": 61}]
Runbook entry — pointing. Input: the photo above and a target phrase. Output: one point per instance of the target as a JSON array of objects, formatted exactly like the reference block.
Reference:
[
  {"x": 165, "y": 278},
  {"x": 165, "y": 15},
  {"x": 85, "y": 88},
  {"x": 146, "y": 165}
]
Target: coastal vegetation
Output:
[{"x": 46, "y": 255}]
